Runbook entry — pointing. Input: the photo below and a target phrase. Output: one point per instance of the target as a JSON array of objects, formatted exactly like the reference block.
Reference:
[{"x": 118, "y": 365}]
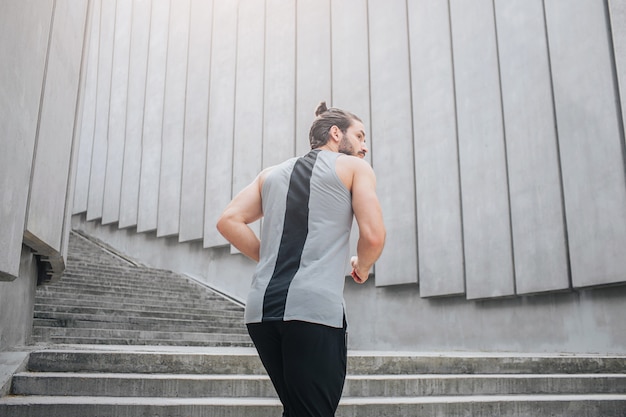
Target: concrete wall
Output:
[
  {"x": 496, "y": 131},
  {"x": 16, "y": 304},
  {"x": 41, "y": 48},
  {"x": 397, "y": 318}
]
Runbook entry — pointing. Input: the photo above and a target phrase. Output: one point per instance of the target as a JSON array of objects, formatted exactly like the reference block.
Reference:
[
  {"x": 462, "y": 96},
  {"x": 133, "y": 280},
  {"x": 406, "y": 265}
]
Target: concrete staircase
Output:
[
  {"x": 175, "y": 381},
  {"x": 104, "y": 298},
  {"x": 113, "y": 338}
]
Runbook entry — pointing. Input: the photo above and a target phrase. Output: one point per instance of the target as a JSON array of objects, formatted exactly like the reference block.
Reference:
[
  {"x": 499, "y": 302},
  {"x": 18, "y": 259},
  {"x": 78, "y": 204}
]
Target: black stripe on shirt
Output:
[{"x": 295, "y": 230}]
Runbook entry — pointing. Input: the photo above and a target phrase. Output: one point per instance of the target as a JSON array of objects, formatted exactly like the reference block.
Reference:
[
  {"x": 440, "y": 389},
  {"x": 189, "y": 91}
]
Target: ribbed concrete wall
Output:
[
  {"x": 495, "y": 127},
  {"x": 41, "y": 49},
  {"x": 496, "y": 131}
]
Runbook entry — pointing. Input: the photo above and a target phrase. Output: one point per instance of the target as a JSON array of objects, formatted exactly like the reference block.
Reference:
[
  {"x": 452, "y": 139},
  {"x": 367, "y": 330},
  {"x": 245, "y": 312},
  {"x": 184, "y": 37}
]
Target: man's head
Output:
[{"x": 327, "y": 124}]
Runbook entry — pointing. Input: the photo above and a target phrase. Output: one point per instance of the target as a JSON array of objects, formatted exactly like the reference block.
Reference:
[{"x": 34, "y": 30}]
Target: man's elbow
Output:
[
  {"x": 222, "y": 224},
  {"x": 375, "y": 238}
]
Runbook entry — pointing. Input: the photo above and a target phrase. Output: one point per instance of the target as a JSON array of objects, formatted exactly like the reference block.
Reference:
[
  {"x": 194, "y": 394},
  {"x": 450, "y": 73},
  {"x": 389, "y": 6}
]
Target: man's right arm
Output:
[
  {"x": 244, "y": 209},
  {"x": 369, "y": 218}
]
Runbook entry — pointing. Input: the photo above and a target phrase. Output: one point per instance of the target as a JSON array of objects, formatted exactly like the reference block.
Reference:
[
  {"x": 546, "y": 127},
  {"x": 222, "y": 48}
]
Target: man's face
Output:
[{"x": 353, "y": 141}]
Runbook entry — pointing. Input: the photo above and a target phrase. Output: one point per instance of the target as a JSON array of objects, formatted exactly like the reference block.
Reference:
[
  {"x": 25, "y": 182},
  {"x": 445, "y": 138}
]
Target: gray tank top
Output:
[{"x": 304, "y": 243}]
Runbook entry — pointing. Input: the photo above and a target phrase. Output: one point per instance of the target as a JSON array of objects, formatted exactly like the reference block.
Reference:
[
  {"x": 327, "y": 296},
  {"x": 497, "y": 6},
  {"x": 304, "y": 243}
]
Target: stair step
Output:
[
  {"x": 126, "y": 276},
  {"x": 95, "y": 297},
  {"x": 46, "y": 325},
  {"x": 63, "y": 340},
  {"x": 164, "y": 320},
  {"x": 141, "y": 334},
  {"x": 142, "y": 385},
  {"x": 114, "y": 291},
  {"x": 158, "y": 360},
  {"x": 133, "y": 304},
  {"x": 98, "y": 311},
  {"x": 194, "y": 385},
  {"x": 604, "y": 405},
  {"x": 359, "y": 363}
]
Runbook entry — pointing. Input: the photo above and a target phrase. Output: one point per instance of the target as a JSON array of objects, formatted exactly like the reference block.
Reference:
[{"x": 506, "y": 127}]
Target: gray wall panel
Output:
[
  {"x": 17, "y": 300},
  {"x": 592, "y": 151},
  {"x": 221, "y": 119},
  {"x": 48, "y": 193},
  {"x": 313, "y": 68},
  {"x": 541, "y": 262},
  {"x": 617, "y": 11},
  {"x": 248, "y": 129},
  {"x": 87, "y": 113},
  {"x": 350, "y": 59},
  {"x": 392, "y": 138},
  {"x": 350, "y": 69},
  {"x": 103, "y": 94},
  {"x": 82, "y": 81},
  {"x": 482, "y": 153},
  {"x": 153, "y": 116},
  {"x": 117, "y": 113},
  {"x": 173, "y": 120},
  {"x": 197, "y": 109},
  {"x": 280, "y": 82},
  {"x": 464, "y": 132},
  {"x": 440, "y": 237},
  {"x": 507, "y": 132},
  {"x": 24, "y": 32},
  {"x": 137, "y": 69}
]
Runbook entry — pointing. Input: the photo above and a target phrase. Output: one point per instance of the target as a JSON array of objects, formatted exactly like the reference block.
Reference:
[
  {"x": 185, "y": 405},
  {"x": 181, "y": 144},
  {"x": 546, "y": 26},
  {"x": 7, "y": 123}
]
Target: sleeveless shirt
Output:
[{"x": 304, "y": 243}]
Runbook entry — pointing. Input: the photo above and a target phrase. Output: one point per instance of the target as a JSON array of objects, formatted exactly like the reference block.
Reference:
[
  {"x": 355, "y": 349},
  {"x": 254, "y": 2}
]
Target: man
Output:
[{"x": 295, "y": 309}]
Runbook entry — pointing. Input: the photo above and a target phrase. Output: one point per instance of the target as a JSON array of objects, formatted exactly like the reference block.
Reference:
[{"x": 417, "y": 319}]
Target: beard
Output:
[{"x": 346, "y": 147}]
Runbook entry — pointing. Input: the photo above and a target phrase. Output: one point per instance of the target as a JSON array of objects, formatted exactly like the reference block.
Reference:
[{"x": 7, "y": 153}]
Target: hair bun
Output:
[{"x": 321, "y": 108}]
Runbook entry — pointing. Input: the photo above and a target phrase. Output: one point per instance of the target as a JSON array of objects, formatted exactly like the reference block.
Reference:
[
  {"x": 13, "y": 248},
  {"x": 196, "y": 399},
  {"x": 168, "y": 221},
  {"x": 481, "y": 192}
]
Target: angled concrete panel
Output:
[
  {"x": 541, "y": 262},
  {"x": 392, "y": 139},
  {"x": 280, "y": 82},
  {"x": 482, "y": 151},
  {"x": 24, "y": 32},
  {"x": 48, "y": 192},
  {"x": 173, "y": 120},
  {"x": 248, "y": 129},
  {"x": 591, "y": 140},
  {"x": 440, "y": 237},
  {"x": 100, "y": 148},
  {"x": 196, "y": 121},
  {"x": 350, "y": 59},
  {"x": 313, "y": 66},
  {"x": 219, "y": 163},
  {"x": 153, "y": 117},
  {"x": 350, "y": 70},
  {"x": 617, "y": 12},
  {"x": 87, "y": 113},
  {"x": 137, "y": 71},
  {"x": 71, "y": 184},
  {"x": 117, "y": 113}
]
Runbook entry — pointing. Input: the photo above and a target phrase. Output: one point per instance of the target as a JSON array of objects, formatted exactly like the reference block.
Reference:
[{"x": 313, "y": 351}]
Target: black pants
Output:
[{"x": 306, "y": 363}]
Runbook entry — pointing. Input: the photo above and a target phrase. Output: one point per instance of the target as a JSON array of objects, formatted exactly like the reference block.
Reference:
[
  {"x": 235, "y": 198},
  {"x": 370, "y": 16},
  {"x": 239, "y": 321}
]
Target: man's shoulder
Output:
[
  {"x": 354, "y": 163},
  {"x": 283, "y": 168}
]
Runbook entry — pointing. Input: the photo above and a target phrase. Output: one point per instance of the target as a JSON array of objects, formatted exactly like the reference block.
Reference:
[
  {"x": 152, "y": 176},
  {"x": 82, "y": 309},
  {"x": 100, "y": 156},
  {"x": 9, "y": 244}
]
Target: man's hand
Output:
[{"x": 359, "y": 277}]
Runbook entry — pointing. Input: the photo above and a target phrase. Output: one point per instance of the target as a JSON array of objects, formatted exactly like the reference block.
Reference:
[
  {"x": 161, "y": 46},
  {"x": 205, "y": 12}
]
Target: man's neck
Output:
[{"x": 329, "y": 147}]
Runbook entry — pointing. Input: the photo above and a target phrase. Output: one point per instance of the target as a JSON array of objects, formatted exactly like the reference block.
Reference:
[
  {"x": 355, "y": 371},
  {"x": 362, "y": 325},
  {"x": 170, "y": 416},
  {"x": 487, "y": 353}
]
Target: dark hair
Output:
[{"x": 324, "y": 120}]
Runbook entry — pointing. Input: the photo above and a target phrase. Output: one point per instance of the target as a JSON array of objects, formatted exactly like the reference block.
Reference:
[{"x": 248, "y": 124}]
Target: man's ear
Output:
[{"x": 335, "y": 133}]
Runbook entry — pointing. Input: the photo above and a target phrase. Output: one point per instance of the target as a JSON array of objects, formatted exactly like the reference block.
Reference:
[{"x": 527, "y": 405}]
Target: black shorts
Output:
[{"x": 306, "y": 363}]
